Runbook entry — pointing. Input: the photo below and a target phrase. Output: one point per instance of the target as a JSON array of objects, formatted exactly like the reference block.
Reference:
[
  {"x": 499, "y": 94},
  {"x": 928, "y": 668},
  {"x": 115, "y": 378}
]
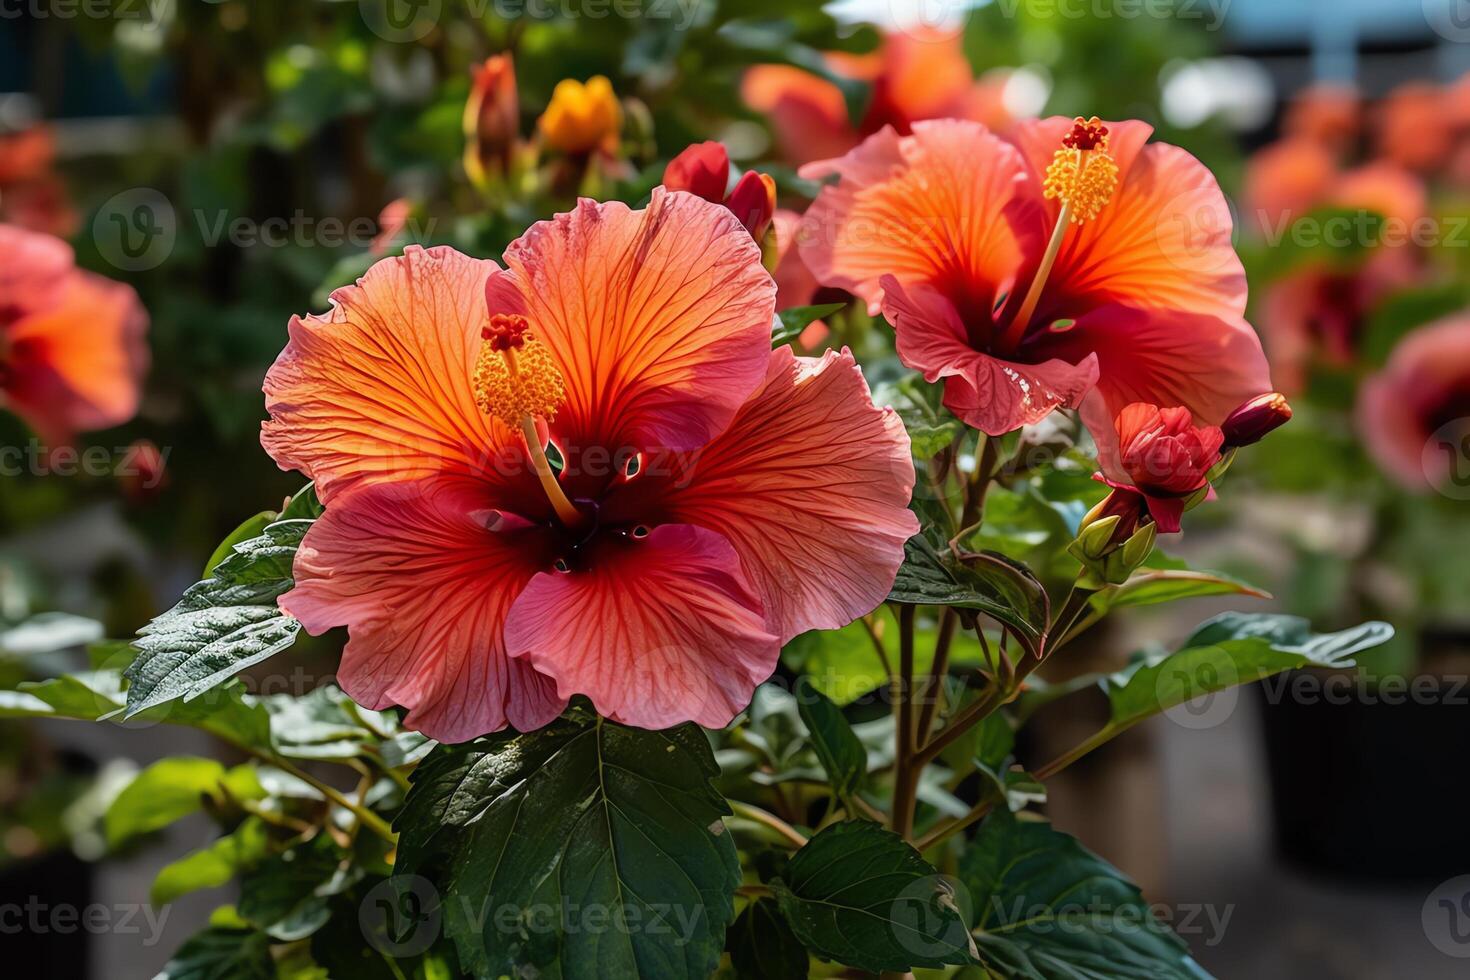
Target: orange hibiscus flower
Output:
[
  {"x": 586, "y": 473},
  {"x": 72, "y": 355},
  {"x": 915, "y": 75},
  {"x": 1025, "y": 271}
]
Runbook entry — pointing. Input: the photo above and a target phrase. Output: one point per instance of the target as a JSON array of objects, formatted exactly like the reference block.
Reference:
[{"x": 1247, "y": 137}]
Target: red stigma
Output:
[
  {"x": 505, "y": 331},
  {"x": 1086, "y": 134}
]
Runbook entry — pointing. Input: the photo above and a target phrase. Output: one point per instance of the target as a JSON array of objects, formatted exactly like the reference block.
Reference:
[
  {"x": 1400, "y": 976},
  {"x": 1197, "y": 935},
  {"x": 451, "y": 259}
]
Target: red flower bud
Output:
[
  {"x": 753, "y": 201},
  {"x": 492, "y": 117},
  {"x": 1250, "y": 423},
  {"x": 703, "y": 169}
]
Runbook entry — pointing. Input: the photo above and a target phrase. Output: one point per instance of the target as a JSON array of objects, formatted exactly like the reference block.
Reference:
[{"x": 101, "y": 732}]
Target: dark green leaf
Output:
[
  {"x": 222, "y": 954},
  {"x": 1147, "y": 588},
  {"x": 225, "y": 623},
  {"x": 791, "y": 322},
  {"x": 251, "y": 527},
  {"x": 286, "y": 896},
  {"x": 992, "y": 585},
  {"x": 583, "y": 818},
  {"x": 842, "y": 755},
  {"x": 860, "y": 895},
  {"x": 763, "y": 947},
  {"x": 1047, "y": 909}
]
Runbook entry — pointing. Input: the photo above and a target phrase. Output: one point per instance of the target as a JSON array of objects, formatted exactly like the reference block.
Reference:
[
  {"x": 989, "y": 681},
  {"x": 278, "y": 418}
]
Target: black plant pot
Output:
[
  {"x": 44, "y": 902},
  {"x": 1370, "y": 781}
]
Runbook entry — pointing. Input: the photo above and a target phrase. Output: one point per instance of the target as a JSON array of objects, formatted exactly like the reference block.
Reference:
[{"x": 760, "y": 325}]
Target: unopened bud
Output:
[
  {"x": 1096, "y": 540},
  {"x": 1250, "y": 423}
]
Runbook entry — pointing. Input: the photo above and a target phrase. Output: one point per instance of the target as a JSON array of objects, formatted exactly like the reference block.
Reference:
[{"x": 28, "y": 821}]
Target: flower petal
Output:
[
  {"x": 985, "y": 392},
  {"x": 808, "y": 113},
  {"x": 656, "y": 631},
  {"x": 941, "y": 206},
  {"x": 659, "y": 319},
  {"x": 379, "y": 389},
  {"x": 77, "y": 364},
  {"x": 423, "y": 586},
  {"x": 1162, "y": 242},
  {"x": 811, "y": 485}
]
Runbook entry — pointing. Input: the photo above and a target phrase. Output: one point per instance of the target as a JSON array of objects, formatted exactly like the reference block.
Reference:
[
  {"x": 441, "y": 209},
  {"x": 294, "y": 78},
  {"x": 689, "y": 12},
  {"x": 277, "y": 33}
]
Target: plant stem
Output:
[
  {"x": 1104, "y": 735},
  {"x": 948, "y": 830},
  {"x": 757, "y": 815},
  {"x": 933, "y": 690},
  {"x": 366, "y": 817},
  {"x": 878, "y": 647},
  {"x": 905, "y": 777}
]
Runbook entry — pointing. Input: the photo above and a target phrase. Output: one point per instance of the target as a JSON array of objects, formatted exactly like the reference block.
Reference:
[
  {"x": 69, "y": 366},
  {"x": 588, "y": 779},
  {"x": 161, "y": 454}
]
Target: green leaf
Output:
[
  {"x": 858, "y": 894},
  {"x": 582, "y": 814},
  {"x": 1147, "y": 588},
  {"x": 251, "y": 527},
  {"x": 1231, "y": 649},
  {"x": 225, "y": 623},
  {"x": 99, "y": 694},
  {"x": 48, "y": 633},
  {"x": 171, "y": 789},
  {"x": 1047, "y": 909},
  {"x": 287, "y": 895},
  {"x": 842, "y": 755},
  {"x": 221, "y": 954},
  {"x": 763, "y": 947},
  {"x": 791, "y": 322},
  {"x": 993, "y": 585},
  {"x": 212, "y": 866}
]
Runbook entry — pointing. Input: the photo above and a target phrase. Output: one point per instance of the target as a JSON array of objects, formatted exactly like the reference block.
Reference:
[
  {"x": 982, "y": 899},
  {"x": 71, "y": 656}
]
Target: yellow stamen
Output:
[
  {"x": 517, "y": 382},
  {"x": 1083, "y": 176}
]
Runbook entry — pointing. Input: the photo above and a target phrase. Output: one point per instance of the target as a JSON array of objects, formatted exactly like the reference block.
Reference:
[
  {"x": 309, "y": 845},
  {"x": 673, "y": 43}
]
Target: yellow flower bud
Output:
[{"x": 582, "y": 118}]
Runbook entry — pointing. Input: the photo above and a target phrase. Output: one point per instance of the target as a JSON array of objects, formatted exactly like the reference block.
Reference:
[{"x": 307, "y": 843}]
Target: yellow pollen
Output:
[
  {"x": 1082, "y": 174},
  {"x": 516, "y": 383}
]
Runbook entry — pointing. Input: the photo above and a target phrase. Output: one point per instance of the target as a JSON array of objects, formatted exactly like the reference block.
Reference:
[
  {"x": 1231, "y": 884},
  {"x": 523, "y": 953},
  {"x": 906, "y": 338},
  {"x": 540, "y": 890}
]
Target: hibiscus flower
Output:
[
  {"x": 914, "y": 75},
  {"x": 1025, "y": 271},
  {"x": 586, "y": 473},
  {"x": 1415, "y": 413},
  {"x": 72, "y": 355}
]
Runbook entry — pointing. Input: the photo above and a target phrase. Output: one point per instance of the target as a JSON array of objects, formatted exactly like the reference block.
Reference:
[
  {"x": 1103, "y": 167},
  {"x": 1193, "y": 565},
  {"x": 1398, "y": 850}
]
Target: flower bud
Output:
[
  {"x": 753, "y": 201},
  {"x": 492, "y": 118},
  {"x": 1096, "y": 540},
  {"x": 702, "y": 169},
  {"x": 582, "y": 118},
  {"x": 1250, "y": 423}
]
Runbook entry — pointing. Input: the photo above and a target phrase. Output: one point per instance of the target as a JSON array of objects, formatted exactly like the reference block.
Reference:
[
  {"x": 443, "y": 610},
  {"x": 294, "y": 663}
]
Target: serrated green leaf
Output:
[
  {"x": 212, "y": 866},
  {"x": 1231, "y": 649},
  {"x": 993, "y": 585},
  {"x": 763, "y": 947},
  {"x": 1047, "y": 909},
  {"x": 225, "y": 623},
  {"x": 582, "y": 814},
  {"x": 860, "y": 895},
  {"x": 251, "y": 527},
  {"x": 841, "y": 754},
  {"x": 221, "y": 954}
]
